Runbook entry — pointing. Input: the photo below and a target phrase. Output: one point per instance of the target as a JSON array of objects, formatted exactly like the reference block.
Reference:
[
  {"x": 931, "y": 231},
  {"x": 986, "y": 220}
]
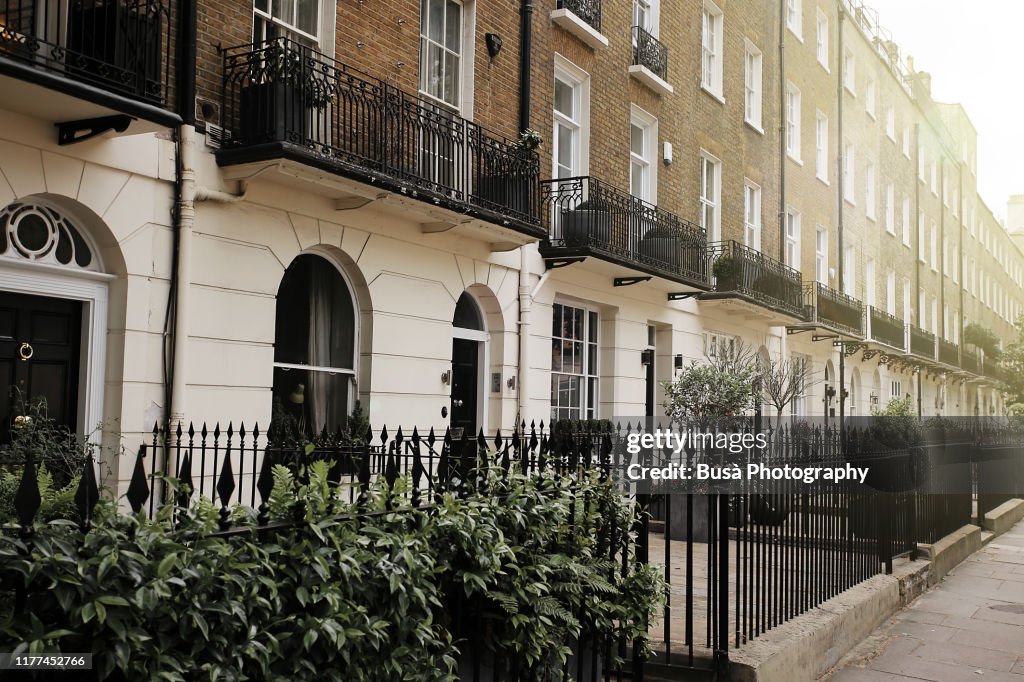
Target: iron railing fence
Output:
[
  {"x": 650, "y": 52},
  {"x": 949, "y": 353},
  {"x": 833, "y": 309},
  {"x": 585, "y": 213},
  {"x": 280, "y": 91},
  {"x": 970, "y": 361},
  {"x": 122, "y": 46},
  {"x": 747, "y": 272},
  {"x": 886, "y": 328},
  {"x": 587, "y": 10},
  {"x": 922, "y": 343}
]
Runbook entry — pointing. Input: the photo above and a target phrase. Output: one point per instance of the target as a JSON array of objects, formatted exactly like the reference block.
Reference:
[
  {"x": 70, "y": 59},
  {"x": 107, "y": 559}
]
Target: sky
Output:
[{"x": 972, "y": 51}]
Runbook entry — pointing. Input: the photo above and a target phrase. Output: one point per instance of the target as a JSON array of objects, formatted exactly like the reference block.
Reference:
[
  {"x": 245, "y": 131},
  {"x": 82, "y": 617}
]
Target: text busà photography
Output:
[{"x": 511, "y": 340}]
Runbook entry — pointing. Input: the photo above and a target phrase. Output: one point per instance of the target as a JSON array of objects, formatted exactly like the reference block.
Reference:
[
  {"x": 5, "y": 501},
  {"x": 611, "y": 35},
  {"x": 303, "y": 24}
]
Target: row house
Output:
[{"x": 274, "y": 209}]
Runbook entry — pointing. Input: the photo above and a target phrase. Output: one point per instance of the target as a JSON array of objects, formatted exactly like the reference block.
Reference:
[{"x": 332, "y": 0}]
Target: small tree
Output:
[
  {"x": 785, "y": 380},
  {"x": 722, "y": 386}
]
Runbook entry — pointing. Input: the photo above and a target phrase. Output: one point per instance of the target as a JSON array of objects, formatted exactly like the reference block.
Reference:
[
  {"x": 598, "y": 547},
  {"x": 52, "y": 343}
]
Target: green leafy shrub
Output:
[{"x": 329, "y": 594}]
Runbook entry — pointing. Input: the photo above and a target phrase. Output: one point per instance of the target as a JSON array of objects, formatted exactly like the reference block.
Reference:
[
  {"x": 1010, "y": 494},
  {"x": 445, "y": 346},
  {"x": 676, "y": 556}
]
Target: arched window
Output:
[
  {"x": 467, "y": 313},
  {"x": 36, "y": 232},
  {"x": 314, "y": 347}
]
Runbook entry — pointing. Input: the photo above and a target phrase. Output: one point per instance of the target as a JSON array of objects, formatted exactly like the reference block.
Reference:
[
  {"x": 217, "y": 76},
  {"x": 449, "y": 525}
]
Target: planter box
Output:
[
  {"x": 587, "y": 226},
  {"x": 272, "y": 112}
]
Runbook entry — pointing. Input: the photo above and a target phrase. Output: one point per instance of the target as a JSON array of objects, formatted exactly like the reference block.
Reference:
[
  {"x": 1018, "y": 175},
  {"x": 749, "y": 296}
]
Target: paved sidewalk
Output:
[{"x": 969, "y": 627}]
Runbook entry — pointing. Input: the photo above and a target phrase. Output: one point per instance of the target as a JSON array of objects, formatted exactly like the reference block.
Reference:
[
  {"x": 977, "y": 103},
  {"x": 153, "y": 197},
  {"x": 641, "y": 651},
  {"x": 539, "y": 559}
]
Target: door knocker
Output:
[{"x": 25, "y": 351}]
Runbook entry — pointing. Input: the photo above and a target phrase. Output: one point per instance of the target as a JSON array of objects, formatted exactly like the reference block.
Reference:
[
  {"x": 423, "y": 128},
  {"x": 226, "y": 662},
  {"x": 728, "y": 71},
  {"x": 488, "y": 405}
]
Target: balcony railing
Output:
[
  {"x": 650, "y": 53},
  {"x": 833, "y": 309},
  {"x": 949, "y": 353},
  {"x": 993, "y": 370},
  {"x": 885, "y": 328},
  {"x": 750, "y": 274},
  {"x": 586, "y": 216},
  {"x": 122, "y": 46},
  {"x": 970, "y": 361},
  {"x": 587, "y": 10},
  {"x": 286, "y": 99},
  {"x": 922, "y": 343}
]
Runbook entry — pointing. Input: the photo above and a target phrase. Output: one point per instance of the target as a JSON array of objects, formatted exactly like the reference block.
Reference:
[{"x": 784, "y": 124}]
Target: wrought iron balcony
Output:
[
  {"x": 588, "y": 217},
  {"x": 120, "y": 46},
  {"x": 993, "y": 370},
  {"x": 283, "y": 99},
  {"x": 587, "y": 10},
  {"x": 922, "y": 343},
  {"x": 949, "y": 353},
  {"x": 834, "y": 310},
  {"x": 886, "y": 329},
  {"x": 743, "y": 272},
  {"x": 970, "y": 361},
  {"x": 650, "y": 53}
]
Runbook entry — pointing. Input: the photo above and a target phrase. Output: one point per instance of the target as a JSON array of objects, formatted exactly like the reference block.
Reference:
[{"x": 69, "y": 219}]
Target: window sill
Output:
[
  {"x": 824, "y": 66},
  {"x": 714, "y": 95},
  {"x": 650, "y": 79},
  {"x": 795, "y": 33},
  {"x": 750, "y": 124},
  {"x": 823, "y": 181},
  {"x": 871, "y": 217},
  {"x": 871, "y": 115},
  {"x": 795, "y": 159},
  {"x": 579, "y": 28},
  {"x": 853, "y": 93},
  {"x": 850, "y": 201},
  {"x": 891, "y": 233}
]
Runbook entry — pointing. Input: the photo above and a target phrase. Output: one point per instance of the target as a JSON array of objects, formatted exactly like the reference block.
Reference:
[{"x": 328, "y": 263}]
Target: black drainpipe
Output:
[{"x": 525, "y": 58}]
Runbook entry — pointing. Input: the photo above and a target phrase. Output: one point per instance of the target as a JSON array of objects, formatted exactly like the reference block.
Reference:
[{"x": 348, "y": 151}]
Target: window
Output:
[
  {"x": 821, "y": 146},
  {"x": 297, "y": 19},
  {"x": 710, "y": 197},
  {"x": 890, "y": 123},
  {"x": 643, "y": 16},
  {"x": 849, "y": 73},
  {"x": 821, "y": 48},
  {"x": 441, "y": 50},
  {"x": 869, "y": 98},
  {"x": 314, "y": 347},
  {"x": 752, "y": 82},
  {"x": 718, "y": 345},
  {"x": 890, "y": 292},
  {"x": 573, "y": 362},
  {"x": 934, "y": 242},
  {"x": 849, "y": 162},
  {"x": 799, "y": 404},
  {"x": 642, "y": 146},
  {"x": 895, "y": 389},
  {"x": 567, "y": 143},
  {"x": 922, "y": 310},
  {"x": 849, "y": 271},
  {"x": 794, "y": 20},
  {"x": 821, "y": 255},
  {"x": 793, "y": 121},
  {"x": 890, "y": 208},
  {"x": 906, "y": 220},
  {"x": 752, "y": 215},
  {"x": 793, "y": 238},
  {"x": 906, "y": 141},
  {"x": 869, "y": 190},
  {"x": 869, "y": 281},
  {"x": 935, "y": 178},
  {"x": 711, "y": 49},
  {"x": 920, "y": 236}
]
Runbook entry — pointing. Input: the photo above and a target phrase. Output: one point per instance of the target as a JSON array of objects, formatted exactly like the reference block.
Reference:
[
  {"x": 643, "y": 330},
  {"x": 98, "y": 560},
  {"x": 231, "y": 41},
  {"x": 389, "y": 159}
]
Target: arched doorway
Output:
[
  {"x": 469, "y": 358},
  {"x": 53, "y": 316},
  {"x": 852, "y": 401},
  {"x": 314, "y": 348}
]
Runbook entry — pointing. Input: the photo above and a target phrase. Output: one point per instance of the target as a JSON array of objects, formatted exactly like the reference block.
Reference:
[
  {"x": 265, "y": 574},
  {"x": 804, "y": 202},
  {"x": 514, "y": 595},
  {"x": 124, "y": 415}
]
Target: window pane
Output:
[
  {"x": 592, "y": 337},
  {"x": 556, "y": 355},
  {"x": 307, "y": 402},
  {"x": 451, "y": 78},
  {"x": 453, "y": 28},
  {"x": 435, "y": 21},
  {"x": 636, "y": 180},
  {"x": 307, "y": 16},
  {"x": 636, "y": 139},
  {"x": 564, "y": 103},
  {"x": 564, "y": 150}
]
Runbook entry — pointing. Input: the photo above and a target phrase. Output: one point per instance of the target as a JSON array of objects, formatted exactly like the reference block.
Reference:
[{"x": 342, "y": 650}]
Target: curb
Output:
[{"x": 808, "y": 646}]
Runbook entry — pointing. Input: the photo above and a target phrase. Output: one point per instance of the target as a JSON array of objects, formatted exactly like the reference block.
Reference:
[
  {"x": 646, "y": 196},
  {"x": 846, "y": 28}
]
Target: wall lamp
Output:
[
  {"x": 446, "y": 377},
  {"x": 493, "y": 41},
  {"x": 678, "y": 361},
  {"x": 647, "y": 357}
]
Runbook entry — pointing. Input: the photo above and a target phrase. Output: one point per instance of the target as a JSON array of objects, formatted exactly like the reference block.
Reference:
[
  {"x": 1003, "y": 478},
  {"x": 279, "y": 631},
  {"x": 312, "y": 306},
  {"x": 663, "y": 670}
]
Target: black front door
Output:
[
  {"x": 39, "y": 356},
  {"x": 465, "y": 383}
]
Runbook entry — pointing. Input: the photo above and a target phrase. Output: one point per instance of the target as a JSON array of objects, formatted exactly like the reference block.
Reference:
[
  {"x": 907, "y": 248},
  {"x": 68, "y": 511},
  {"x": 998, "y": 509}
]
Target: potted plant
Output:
[
  {"x": 726, "y": 270},
  {"x": 509, "y": 180},
  {"x": 278, "y": 100},
  {"x": 589, "y": 223},
  {"x": 664, "y": 246}
]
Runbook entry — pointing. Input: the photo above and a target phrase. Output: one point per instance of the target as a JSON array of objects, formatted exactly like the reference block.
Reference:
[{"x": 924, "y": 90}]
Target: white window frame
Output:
[
  {"x": 849, "y": 271},
  {"x": 712, "y": 51},
  {"x": 288, "y": 28},
  {"x": 821, "y": 146},
  {"x": 649, "y": 125},
  {"x": 793, "y": 230},
  {"x": 821, "y": 44},
  {"x": 579, "y": 80},
  {"x": 870, "y": 200},
  {"x": 463, "y": 67},
  {"x": 890, "y": 122},
  {"x": 906, "y": 141},
  {"x": 751, "y": 214},
  {"x": 906, "y": 221},
  {"x": 870, "y": 92},
  {"x": 590, "y": 378},
  {"x": 934, "y": 244},
  {"x": 821, "y": 254},
  {"x": 849, "y": 173},
  {"x": 890, "y": 292},
  {"x": 753, "y": 84},
  {"x": 710, "y": 198},
  {"x": 793, "y": 107},
  {"x": 795, "y": 19},
  {"x": 890, "y": 208},
  {"x": 850, "y": 73}
]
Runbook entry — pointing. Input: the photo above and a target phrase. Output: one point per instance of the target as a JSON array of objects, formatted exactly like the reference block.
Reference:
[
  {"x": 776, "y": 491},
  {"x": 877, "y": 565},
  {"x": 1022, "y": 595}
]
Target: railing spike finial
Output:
[
  {"x": 27, "y": 499},
  {"x": 138, "y": 489},
  {"x": 225, "y": 486},
  {"x": 87, "y": 495}
]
